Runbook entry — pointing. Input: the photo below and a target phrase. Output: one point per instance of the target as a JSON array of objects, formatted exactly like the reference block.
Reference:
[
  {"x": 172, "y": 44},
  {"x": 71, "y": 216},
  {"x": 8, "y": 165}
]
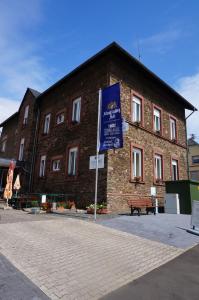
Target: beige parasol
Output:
[
  {"x": 17, "y": 184},
  {"x": 8, "y": 189}
]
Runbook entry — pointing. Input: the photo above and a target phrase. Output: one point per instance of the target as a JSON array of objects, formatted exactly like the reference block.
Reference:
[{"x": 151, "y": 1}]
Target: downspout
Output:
[
  {"x": 34, "y": 151},
  {"x": 187, "y": 152}
]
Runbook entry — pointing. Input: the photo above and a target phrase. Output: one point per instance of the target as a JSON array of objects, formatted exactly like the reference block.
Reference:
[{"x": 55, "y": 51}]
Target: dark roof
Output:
[
  {"x": 114, "y": 47},
  {"x": 192, "y": 142},
  {"x": 11, "y": 117},
  {"x": 34, "y": 92}
]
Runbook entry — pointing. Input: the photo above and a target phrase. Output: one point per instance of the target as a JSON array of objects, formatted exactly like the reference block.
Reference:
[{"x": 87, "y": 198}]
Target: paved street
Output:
[
  {"x": 73, "y": 259},
  {"x": 169, "y": 229},
  {"x": 176, "y": 280},
  {"x": 15, "y": 285}
]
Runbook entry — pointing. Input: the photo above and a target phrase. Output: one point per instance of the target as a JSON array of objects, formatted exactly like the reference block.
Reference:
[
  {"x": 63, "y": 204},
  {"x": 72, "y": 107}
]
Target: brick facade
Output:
[
  {"x": 8, "y": 136},
  {"x": 116, "y": 183}
]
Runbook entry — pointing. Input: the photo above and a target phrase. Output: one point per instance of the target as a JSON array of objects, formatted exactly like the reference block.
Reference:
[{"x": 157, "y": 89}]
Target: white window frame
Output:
[
  {"x": 60, "y": 120},
  {"x": 47, "y": 123},
  {"x": 26, "y": 112},
  {"x": 158, "y": 167},
  {"x": 136, "y": 109},
  {"x": 173, "y": 129},
  {"x": 42, "y": 167},
  {"x": 21, "y": 150},
  {"x": 137, "y": 161},
  {"x": 76, "y": 112},
  {"x": 72, "y": 164},
  {"x": 3, "y": 145},
  {"x": 174, "y": 176},
  {"x": 56, "y": 165},
  {"x": 157, "y": 119}
]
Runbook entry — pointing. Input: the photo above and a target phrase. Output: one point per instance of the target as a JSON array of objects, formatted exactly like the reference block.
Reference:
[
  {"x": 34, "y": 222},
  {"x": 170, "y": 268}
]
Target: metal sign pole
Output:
[{"x": 97, "y": 152}]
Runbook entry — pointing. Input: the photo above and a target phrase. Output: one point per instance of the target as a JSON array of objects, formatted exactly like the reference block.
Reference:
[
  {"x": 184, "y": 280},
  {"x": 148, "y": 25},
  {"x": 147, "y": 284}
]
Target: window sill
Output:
[
  {"x": 159, "y": 183},
  {"x": 137, "y": 182}
]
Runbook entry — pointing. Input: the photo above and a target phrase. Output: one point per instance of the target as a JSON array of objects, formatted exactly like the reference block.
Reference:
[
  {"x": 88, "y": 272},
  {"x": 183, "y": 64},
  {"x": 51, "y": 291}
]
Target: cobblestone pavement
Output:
[{"x": 74, "y": 259}]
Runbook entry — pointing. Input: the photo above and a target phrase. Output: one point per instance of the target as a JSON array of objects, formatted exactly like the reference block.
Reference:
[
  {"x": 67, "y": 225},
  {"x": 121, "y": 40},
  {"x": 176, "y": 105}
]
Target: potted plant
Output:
[
  {"x": 102, "y": 208},
  {"x": 90, "y": 209},
  {"x": 158, "y": 180},
  {"x": 35, "y": 209},
  {"x": 137, "y": 178},
  {"x": 60, "y": 206},
  {"x": 137, "y": 123}
]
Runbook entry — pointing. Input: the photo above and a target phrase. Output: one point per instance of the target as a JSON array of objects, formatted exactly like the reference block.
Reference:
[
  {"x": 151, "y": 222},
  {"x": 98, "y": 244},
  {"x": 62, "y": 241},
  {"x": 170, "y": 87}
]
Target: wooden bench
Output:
[{"x": 138, "y": 204}]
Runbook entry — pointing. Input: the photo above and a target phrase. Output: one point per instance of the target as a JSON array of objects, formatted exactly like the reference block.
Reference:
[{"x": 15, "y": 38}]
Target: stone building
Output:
[
  {"x": 62, "y": 133},
  {"x": 193, "y": 158}
]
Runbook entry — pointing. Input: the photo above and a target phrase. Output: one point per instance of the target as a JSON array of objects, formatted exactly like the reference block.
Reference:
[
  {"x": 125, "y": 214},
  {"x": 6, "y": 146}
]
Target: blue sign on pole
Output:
[{"x": 111, "y": 134}]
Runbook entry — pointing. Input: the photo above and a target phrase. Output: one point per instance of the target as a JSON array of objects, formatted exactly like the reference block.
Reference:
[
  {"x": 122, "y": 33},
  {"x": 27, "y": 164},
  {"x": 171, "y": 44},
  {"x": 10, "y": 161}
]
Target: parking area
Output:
[
  {"x": 68, "y": 258},
  {"x": 169, "y": 229}
]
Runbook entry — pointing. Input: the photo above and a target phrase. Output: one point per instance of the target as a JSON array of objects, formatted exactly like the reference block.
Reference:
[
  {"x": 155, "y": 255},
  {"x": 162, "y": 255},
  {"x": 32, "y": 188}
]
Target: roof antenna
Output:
[{"x": 138, "y": 48}]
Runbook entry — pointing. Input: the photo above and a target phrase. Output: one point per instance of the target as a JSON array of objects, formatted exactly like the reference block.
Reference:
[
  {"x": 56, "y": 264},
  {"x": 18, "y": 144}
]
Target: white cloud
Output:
[
  {"x": 21, "y": 64},
  {"x": 161, "y": 42},
  {"x": 7, "y": 108},
  {"x": 188, "y": 87}
]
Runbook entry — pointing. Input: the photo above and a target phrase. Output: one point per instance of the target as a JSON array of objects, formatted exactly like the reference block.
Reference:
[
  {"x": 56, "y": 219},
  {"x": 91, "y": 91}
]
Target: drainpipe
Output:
[
  {"x": 187, "y": 152},
  {"x": 34, "y": 150}
]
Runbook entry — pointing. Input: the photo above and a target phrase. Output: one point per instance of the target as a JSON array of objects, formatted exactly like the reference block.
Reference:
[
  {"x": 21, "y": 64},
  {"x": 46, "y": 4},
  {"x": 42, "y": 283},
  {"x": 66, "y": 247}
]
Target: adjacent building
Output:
[
  {"x": 57, "y": 133},
  {"x": 193, "y": 157}
]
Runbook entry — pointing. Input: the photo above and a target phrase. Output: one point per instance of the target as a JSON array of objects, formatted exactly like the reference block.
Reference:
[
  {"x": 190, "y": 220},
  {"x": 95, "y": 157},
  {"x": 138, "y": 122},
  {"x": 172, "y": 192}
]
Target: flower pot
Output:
[
  {"x": 102, "y": 211},
  {"x": 90, "y": 211}
]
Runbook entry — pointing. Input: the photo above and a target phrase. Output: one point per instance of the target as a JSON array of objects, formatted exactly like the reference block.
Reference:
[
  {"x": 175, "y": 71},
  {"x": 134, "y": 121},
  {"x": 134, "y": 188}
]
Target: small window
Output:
[
  {"x": 173, "y": 129},
  {"x": 72, "y": 161},
  {"x": 60, "y": 118},
  {"x": 137, "y": 164},
  {"x": 157, "y": 120},
  {"x": 76, "y": 110},
  {"x": 25, "y": 119},
  {"x": 158, "y": 168},
  {"x": 47, "y": 124},
  {"x": 56, "y": 165},
  {"x": 174, "y": 169},
  {"x": 3, "y": 145},
  {"x": 136, "y": 109},
  {"x": 195, "y": 159},
  {"x": 42, "y": 166},
  {"x": 21, "y": 150}
]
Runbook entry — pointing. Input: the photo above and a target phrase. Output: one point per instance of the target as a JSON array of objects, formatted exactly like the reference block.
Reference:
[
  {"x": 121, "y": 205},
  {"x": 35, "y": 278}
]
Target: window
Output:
[
  {"x": 136, "y": 109},
  {"x": 174, "y": 169},
  {"x": 76, "y": 110},
  {"x": 173, "y": 129},
  {"x": 194, "y": 175},
  {"x": 56, "y": 165},
  {"x": 47, "y": 124},
  {"x": 157, "y": 120},
  {"x": 25, "y": 119},
  {"x": 195, "y": 159},
  {"x": 60, "y": 118},
  {"x": 72, "y": 161},
  {"x": 158, "y": 168},
  {"x": 3, "y": 145},
  {"x": 42, "y": 166},
  {"x": 137, "y": 164},
  {"x": 21, "y": 150}
]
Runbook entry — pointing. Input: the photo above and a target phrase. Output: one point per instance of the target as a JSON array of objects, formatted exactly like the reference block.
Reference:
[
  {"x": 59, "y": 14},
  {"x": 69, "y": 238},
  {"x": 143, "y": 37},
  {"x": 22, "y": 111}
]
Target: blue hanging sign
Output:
[{"x": 111, "y": 133}]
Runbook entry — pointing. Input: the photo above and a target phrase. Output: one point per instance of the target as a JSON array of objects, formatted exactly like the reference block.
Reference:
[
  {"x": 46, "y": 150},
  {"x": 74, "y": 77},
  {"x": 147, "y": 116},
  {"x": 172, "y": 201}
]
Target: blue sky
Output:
[{"x": 43, "y": 40}]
